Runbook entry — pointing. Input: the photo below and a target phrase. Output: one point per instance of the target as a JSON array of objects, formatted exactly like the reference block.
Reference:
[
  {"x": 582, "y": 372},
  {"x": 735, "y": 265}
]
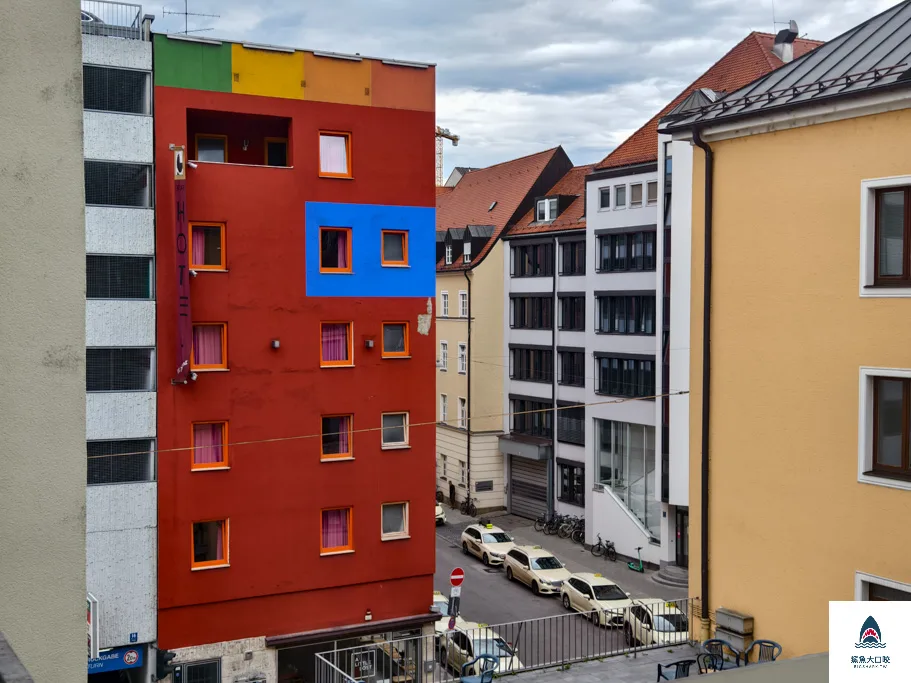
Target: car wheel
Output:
[
  {"x": 534, "y": 588},
  {"x": 566, "y": 601},
  {"x": 628, "y": 633},
  {"x": 509, "y": 573},
  {"x": 485, "y": 560},
  {"x": 465, "y": 548},
  {"x": 443, "y": 663}
]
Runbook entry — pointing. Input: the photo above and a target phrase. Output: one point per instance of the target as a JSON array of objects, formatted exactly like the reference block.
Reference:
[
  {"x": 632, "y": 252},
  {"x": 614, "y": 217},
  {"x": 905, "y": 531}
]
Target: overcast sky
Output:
[{"x": 518, "y": 76}]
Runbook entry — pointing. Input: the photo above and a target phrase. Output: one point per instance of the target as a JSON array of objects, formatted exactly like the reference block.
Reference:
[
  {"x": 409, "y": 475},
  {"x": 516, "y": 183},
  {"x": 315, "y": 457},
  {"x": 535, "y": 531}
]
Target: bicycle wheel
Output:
[
  {"x": 598, "y": 549},
  {"x": 539, "y": 524},
  {"x": 563, "y": 531},
  {"x": 439, "y": 496},
  {"x": 472, "y": 510},
  {"x": 578, "y": 536},
  {"x": 611, "y": 553},
  {"x": 463, "y": 507}
]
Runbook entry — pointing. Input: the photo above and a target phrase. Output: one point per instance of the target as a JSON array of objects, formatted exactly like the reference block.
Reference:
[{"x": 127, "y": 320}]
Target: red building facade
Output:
[{"x": 295, "y": 470}]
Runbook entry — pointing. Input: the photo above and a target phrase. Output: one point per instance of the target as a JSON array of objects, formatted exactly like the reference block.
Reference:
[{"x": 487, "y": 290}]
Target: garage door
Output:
[{"x": 527, "y": 487}]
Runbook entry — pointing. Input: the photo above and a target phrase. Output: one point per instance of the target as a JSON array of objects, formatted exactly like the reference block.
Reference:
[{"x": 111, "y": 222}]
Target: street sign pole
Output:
[{"x": 456, "y": 577}]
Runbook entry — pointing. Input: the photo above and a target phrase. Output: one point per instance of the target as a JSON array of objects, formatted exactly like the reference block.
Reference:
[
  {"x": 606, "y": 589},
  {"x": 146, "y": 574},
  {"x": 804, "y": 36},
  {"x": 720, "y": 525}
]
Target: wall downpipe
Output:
[
  {"x": 551, "y": 461},
  {"x": 706, "y": 368},
  {"x": 468, "y": 395}
]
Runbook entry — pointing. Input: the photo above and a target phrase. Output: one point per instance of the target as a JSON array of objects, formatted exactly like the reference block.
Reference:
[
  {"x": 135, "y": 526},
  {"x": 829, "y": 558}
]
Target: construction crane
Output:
[{"x": 443, "y": 133}]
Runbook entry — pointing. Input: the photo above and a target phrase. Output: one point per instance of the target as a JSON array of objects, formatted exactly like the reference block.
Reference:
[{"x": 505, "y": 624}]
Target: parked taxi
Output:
[
  {"x": 656, "y": 622},
  {"x": 537, "y": 568},
  {"x": 440, "y": 515},
  {"x": 596, "y": 596},
  {"x": 486, "y": 542},
  {"x": 440, "y": 605},
  {"x": 470, "y": 640}
]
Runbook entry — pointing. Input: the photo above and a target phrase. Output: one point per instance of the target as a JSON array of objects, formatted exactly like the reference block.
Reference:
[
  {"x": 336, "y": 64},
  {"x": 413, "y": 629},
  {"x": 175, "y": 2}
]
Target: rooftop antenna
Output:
[{"x": 186, "y": 14}]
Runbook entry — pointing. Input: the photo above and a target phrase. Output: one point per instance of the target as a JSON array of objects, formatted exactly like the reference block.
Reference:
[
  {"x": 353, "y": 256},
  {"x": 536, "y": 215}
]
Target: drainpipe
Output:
[
  {"x": 706, "y": 366},
  {"x": 551, "y": 461},
  {"x": 468, "y": 397}
]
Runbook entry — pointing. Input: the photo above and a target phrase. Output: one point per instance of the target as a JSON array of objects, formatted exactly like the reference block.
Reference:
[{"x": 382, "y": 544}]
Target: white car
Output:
[
  {"x": 440, "y": 515},
  {"x": 596, "y": 596},
  {"x": 657, "y": 622},
  {"x": 486, "y": 542},
  {"x": 536, "y": 568},
  {"x": 469, "y": 641}
]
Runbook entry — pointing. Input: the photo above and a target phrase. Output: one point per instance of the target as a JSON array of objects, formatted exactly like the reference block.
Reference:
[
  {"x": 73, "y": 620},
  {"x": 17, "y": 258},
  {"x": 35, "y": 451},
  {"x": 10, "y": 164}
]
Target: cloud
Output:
[{"x": 518, "y": 76}]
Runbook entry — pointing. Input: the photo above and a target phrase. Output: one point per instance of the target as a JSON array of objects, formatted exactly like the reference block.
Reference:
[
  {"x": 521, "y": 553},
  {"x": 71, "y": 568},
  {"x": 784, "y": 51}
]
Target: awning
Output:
[
  {"x": 528, "y": 447},
  {"x": 351, "y": 631}
]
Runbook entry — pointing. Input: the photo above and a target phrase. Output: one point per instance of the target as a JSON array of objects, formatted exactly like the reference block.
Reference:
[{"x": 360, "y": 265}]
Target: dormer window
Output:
[
  {"x": 546, "y": 210},
  {"x": 448, "y": 254}
]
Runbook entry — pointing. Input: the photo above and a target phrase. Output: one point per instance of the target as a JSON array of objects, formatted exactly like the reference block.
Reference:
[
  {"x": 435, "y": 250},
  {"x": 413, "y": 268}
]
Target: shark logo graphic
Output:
[{"x": 870, "y": 635}]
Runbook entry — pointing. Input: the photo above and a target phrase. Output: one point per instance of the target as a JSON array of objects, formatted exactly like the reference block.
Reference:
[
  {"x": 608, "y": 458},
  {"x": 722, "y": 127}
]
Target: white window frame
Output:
[
  {"x": 396, "y": 535},
  {"x": 463, "y": 358},
  {"x": 444, "y": 407},
  {"x": 462, "y": 469},
  {"x": 463, "y": 413},
  {"x": 617, "y": 206},
  {"x": 868, "y": 238},
  {"x": 641, "y": 199},
  {"x": 463, "y": 303},
  {"x": 551, "y": 209},
  {"x": 651, "y": 202},
  {"x": 866, "y": 427},
  {"x": 394, "y": 444},
  {"x": 443, "y": 465},
  {"x": 444, "y": 305},
  {"x": 608, "y": 190},
  {"x": 448, "y": 254},
  {"x": 862, "y": 581},
  {"x": 466, "y": 252},
  {"x": 444, "y": 354}
]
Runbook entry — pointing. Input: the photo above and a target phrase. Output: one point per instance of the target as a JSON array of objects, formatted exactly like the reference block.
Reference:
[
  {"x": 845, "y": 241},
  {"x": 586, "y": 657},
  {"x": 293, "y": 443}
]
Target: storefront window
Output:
[{"x": 625, "y": 462}]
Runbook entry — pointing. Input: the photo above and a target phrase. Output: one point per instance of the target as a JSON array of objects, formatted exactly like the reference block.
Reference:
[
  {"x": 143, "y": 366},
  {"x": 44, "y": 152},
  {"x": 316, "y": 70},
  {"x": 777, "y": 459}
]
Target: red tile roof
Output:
[
  {"x": 572, "y": 217},
  {"x": 750, "y": 59},
  {"x": 444, "y": 190},
  {"x": 470, "y": 201}
]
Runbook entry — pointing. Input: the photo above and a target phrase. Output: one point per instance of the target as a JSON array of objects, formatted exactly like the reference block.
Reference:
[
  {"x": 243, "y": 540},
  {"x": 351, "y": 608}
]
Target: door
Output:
[
  {"x": 522, "y": 571},
  {"x": 527, "y": 487},
  {"x": 458, "y": 651},
  {"x": 683, "y": 537}
]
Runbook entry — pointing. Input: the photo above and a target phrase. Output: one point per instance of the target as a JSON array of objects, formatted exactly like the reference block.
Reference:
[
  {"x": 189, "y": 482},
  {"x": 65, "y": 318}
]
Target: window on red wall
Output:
[
  {"x": 210, "y": 544},
  {"x": 239, "y": 138},
  {"x": 336, "y": 535},
  {"x": 210, "y": 445}
]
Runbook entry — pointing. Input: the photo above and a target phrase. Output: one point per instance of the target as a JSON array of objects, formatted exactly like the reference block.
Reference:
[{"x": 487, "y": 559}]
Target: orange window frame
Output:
[
  {"x": 337, "y": 134},
  {"x": 221, "y": 229},
  {"x": 397, "y": 354},
  {"x": 348, "y": 241},
  {"x": 223, "y": 463},
  {"x": 388, "y": 262},
  {"x": 211, "y": 136},
  {"x": 338, "y": 456},
  {"x": 341, "y": 548},
  {"x": 224, "y": 348},
  {"x": 337, "y": 363},
  {"x": 224, "y": 562},
  {"x": 266, "y": 151}
]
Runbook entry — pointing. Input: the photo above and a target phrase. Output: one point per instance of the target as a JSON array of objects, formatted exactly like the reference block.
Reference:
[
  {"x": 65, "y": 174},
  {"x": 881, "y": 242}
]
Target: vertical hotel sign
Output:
[{"x": 182, "y": 244}]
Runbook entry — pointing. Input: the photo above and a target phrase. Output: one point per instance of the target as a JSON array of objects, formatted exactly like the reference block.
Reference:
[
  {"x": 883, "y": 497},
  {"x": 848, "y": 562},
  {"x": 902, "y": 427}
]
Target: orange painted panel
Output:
[
  {"x": 404, "y": 87},
  {"x": 342, "y": 81}
]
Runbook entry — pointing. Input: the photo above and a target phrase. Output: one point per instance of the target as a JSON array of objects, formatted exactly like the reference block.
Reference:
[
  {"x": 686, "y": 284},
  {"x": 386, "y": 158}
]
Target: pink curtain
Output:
[
  {"x": 344, "y": 426},
  {"x": 335, "y": 342},
  {"x": 342, "y": 248},
  {"x": 219, "y": 541},
  {"x": 333, "y": 155},
  {"x": 199, "y": 247},
  {"x": 207, "y": 345},
  {"x": 207, "y": 438},
  {"x": 335, "y": 529}
]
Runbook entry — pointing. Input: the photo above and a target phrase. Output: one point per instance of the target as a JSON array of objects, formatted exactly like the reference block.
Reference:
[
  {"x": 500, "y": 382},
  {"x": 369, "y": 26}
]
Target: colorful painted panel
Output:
[
  {"x": 269, "y": 73},
  {"x": 187, "y": 64},
  {"x": 330, "y": 79}
]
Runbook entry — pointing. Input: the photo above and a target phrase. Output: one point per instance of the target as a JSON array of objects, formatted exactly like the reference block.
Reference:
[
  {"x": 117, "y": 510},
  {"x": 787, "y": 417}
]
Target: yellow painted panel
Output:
[
  {"x": 266, "y": 72},
  {"x": 337, "y": 80}
]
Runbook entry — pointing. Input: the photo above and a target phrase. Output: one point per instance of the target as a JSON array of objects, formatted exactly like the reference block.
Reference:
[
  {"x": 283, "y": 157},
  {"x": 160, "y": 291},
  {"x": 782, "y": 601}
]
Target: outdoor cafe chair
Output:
[
  {"x": 675, "y": 670},
  {"x": 767, "y": 651},
  {"x": 716, "y": 647}
]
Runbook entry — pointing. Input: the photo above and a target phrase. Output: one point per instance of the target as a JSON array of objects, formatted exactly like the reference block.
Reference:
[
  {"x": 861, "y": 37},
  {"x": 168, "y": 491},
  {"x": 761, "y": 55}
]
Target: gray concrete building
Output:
[{"x": 42, "y": 339}]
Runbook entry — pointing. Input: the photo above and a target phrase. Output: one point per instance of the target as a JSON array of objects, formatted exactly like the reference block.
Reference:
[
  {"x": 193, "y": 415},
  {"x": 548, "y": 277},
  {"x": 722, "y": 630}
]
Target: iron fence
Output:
[
  {"x": 117, "y": 19},
  {"x": 516, "y": 647}
]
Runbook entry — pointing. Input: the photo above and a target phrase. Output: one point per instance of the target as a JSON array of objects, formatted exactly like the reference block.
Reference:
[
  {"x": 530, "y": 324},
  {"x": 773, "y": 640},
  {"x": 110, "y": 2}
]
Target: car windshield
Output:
[
  {"x": 549, "y": 562},
  {"x": 496, "y": 647},
  {"x": 496, "y": 537},
  {"x": 442, "y": 608},
  {"x": 609, "y": 592},
  {"x": 670, "y": 623}
]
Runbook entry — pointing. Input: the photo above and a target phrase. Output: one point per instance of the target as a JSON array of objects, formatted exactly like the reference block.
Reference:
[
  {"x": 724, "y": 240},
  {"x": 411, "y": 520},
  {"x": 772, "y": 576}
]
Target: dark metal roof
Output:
[
  {"x": 873, "y": 56},
  {"x": 481, "y": 230},
  {"x": 441, "y": 235},
  {"x": 457, "y": 233}
]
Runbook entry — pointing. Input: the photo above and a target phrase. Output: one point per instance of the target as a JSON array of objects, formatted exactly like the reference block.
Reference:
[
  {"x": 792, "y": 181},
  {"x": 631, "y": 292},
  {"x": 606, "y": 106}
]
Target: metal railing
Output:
[
  {"x": 518, "y": 646},
  {"x": 117, "y": 19}
]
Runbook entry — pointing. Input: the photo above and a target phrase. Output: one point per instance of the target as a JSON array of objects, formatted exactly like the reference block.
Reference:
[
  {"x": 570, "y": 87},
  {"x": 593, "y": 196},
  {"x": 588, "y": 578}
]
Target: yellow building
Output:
[
  {"x": 471, "y": 356},
  {"x": 805, "y": 444}
]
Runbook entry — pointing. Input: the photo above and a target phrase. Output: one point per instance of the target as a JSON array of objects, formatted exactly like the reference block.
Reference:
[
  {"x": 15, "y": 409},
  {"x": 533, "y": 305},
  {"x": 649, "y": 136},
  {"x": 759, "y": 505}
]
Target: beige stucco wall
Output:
[
  {"x": 789, "y": 523},
  {"x": 42, "y": 339}
]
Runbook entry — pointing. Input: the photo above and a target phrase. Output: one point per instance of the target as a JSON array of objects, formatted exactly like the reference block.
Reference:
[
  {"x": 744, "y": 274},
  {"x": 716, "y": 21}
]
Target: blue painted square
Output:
[{"x": 368, "y": 276}]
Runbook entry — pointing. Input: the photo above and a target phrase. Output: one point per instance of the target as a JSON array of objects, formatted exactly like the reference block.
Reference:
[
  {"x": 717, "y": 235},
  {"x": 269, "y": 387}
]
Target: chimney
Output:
[{"x": 784, "y": 42}]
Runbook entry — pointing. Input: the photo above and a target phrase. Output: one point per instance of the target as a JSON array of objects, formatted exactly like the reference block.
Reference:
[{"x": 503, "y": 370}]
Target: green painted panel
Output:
[{"x": 185, "y": 64}]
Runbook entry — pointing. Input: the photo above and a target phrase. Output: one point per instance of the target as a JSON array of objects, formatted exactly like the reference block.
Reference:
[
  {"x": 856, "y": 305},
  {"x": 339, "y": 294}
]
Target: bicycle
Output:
[
  {"x": 553, "y": 525},
  {"x": 468, "y": 507},
  {"x": 540, "y": 523},
  {"x": 604, "y": 548},
  {"x": 440, "y": 496},
  {"x": 566, "y": 526},
  {"x": 578, "y": 533}
]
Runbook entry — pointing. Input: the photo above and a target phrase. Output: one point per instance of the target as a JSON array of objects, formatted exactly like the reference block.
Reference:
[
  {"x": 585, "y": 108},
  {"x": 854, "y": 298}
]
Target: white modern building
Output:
[{"x": 121, "y": 508}]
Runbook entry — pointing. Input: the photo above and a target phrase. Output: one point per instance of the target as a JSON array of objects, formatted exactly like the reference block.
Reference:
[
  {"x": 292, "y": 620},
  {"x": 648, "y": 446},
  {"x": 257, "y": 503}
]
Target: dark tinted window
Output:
[{"x": 118, "y": 277}]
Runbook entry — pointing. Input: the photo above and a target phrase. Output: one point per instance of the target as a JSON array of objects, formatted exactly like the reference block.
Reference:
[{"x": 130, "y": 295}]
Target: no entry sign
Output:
[{"x": 457, "y": 576}]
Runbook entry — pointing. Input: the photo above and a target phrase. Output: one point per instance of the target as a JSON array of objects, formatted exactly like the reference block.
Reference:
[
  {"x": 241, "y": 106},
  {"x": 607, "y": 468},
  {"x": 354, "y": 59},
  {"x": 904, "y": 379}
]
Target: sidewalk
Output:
[
  {"x": 641, "y": 668},
  {"x": 576, "y": 558}
]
